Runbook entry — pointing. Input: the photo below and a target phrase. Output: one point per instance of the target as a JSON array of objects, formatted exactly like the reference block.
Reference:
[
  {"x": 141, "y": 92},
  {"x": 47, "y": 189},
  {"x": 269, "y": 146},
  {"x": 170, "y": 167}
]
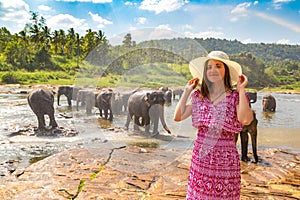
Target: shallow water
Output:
[{"x": 279, "y": 129}]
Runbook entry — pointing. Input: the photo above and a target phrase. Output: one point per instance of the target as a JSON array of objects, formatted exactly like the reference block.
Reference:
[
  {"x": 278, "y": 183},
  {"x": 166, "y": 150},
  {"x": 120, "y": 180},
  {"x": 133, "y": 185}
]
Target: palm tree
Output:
[
  {"x": 70, "y": 43},
  {"x": 55, "y": 41},
  {"x": 62, "y": 41},
  {"x": 46, "y": 37}
]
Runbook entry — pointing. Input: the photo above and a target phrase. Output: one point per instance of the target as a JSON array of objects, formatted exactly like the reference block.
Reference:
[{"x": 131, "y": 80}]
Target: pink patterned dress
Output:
[{"x": 215, "y": 165}]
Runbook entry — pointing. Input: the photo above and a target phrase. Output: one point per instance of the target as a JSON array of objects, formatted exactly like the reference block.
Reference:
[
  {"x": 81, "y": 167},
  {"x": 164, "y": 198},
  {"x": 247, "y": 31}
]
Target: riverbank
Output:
[
  {"x": 132, "y": 172},
  {"x": 19, "y": 88}
]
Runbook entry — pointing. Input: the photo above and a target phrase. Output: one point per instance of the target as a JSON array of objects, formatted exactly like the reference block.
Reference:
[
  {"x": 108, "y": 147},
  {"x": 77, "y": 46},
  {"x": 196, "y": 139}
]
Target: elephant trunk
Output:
[
  {"x": 58, "y": 97},
  {"x": 162, "y": 118}
]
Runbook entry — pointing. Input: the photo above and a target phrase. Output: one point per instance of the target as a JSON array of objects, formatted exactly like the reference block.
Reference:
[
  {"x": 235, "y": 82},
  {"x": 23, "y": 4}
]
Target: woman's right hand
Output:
[{"x": 192, "y": 84}]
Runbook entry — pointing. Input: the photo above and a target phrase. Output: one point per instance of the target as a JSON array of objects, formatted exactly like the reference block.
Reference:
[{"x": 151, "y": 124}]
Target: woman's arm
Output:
[
  {"x": 244, "y": 112},
  {"x": 184, "y": 110}
]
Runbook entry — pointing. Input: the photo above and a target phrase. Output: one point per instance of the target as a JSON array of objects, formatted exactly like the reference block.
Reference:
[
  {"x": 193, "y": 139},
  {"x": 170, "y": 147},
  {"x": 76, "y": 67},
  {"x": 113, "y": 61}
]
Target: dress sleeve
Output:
[{"x": 232, "y": 123}]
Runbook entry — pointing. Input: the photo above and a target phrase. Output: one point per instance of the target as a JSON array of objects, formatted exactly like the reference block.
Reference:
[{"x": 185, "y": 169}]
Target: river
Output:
[{"x": 280, "y": 129}]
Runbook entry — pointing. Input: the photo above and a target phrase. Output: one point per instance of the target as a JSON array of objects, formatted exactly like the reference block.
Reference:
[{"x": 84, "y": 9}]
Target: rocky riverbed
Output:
[
  {"x": 89, "y": 166},
  {"x": 133, "y": 172}
]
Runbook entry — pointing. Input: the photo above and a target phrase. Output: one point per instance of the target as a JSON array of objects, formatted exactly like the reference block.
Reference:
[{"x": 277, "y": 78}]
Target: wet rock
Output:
[
  {"x": 128, "y": 172},
  {"x": 31, "y": 130}
]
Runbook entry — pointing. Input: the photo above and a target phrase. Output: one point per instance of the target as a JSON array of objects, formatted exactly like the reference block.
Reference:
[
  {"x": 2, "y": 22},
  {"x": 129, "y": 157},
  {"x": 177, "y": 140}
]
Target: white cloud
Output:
[
  {"x": 163, "y": 27},
  {"x": 277, "y": 3},
  {"x": 255, "y": 3},
  {"x": 283, "y": 41},
  {"x": 241, "y": 9},
  {"x": 187, "y": 27},
  {"x": 246, "y": 41},
  {"x": 101, "y": 22},
  {"x": 128, "y": 3},
  {"x": 14, "y": 12},
  {"x": 91, "y": 1},
  {"x": 141, "y": 20},
  {"x": 159, "y": 6},
  {"x": 44, "y": 8},
  {"x": 205, "y": 34},
  {"x": 66, "y": 21}
]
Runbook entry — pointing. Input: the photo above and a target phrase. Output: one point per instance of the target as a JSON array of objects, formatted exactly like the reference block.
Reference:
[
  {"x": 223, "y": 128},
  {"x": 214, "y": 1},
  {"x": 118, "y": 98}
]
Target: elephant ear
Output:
[
  {"x": 146, "y": 98},
  {"x": 153, "y": 97}
]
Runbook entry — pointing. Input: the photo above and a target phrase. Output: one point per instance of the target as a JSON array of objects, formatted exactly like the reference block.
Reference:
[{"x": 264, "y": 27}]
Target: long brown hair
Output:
[{"x": 206, "y": 84}]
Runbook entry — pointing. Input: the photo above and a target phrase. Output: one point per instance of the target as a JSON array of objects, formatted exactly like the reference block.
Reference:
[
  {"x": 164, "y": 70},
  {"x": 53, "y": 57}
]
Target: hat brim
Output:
[{"x": 196, "y": 67}]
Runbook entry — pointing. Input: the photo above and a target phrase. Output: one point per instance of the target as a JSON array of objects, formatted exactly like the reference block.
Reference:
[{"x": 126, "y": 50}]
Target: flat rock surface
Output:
[{"x": 131, "y": 172}]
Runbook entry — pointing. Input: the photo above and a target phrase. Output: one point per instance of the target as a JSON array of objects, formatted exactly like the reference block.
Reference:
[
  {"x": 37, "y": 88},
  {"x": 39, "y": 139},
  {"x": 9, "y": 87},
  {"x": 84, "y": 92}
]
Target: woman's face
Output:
[{"x": 215, "y": 71}]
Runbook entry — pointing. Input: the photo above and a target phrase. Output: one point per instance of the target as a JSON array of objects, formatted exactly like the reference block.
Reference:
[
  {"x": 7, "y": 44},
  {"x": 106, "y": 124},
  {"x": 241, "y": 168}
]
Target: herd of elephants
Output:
[{"x": 144, "y": 107}]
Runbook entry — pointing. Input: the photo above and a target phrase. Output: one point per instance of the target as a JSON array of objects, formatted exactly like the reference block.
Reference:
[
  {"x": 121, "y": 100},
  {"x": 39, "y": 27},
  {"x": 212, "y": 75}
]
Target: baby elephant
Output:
[{"x": 41, "y": 102}]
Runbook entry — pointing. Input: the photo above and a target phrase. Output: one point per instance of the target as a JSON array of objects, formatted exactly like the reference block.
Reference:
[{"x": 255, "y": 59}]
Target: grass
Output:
[{"x": 149, "y": 75}]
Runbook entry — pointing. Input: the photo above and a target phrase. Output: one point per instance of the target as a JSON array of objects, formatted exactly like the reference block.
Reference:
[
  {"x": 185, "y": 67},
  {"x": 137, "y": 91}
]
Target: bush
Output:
[{"x": 10, "y": 78}]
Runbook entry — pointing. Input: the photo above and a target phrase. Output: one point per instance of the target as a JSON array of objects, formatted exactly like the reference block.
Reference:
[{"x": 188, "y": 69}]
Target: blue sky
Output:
[{"x": 270, "y": 21}]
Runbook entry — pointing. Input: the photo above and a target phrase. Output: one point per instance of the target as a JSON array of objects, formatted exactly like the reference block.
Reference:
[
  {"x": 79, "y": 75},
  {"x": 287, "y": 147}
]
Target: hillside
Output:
[{"x": 66, "y": 58}]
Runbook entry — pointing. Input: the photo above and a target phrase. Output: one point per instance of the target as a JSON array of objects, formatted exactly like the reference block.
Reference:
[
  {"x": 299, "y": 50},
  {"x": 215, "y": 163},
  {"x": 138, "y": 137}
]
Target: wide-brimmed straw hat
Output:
[{"x": 197, "y": 65}]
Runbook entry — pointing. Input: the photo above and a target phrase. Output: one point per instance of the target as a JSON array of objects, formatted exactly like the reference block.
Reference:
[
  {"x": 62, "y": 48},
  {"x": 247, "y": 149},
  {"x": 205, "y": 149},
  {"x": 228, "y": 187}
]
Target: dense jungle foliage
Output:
[{"x": 37, "y": 55}]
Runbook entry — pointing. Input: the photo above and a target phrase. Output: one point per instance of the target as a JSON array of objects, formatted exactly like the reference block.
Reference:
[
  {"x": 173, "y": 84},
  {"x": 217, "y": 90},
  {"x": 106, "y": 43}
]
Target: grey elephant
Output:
[
  {"x": 253, "y": 97},
  {"x": 144, "y": 107},
  {"x": 177, "y": 92},
  {"x": 41, "y": 102},
  {"x": 116, "y": 103},
  {"x": 104, "y": 104},
  {"x": 269, "y": 103},
  {"x": 252, "y": 130},
  {"x": 120, "y": 100},
  {"x": 87, "y": 98},
  {"x": 69, "y": 91},
  {"x": 168, "y": 94}
]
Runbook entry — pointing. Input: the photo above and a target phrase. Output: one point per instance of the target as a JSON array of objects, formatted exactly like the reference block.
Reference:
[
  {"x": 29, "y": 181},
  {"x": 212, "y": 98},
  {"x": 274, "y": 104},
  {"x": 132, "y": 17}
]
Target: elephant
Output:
[
  {"x": 116, "y": 103},
  {"x": 120, "y": 100},
  {"x": 252, "y": 130},
  {"x": 145, "y": 106},
  {"x": 168, "y": 94},
  {"x": 69, "y": 91},
  {"x": 177, "y": 91},
  {"x": 269, "y": 103},
  {"x": 253, "y": 97},
  {"x": 41, "y": 102},
  {"x": 87, "y": 99},
  {"x": 104, "y": 104}
]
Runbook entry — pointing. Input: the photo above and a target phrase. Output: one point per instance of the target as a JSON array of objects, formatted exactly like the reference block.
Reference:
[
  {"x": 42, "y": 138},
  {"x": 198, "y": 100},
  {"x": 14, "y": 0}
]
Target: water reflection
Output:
[{"x": 268, "y": 116}]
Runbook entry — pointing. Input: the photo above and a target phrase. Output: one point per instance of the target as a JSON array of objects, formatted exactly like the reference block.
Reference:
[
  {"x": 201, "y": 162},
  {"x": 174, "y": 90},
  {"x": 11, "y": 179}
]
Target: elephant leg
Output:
[
  {"x": 236, "y": 137},
  {"x": 105, "y": 113},
  {"x": 41, "y": 122},
  {"x": 129, "y": 117},
  {"x": 244, "y": 144},
  {"x": 58, "y": 98},
  {"x": 88, "y": 109},
  {"x": 162, "y": 118},
  {"x": 53, "y": 123},
  {"x": 253, "y": 134},
  {"x": 111, "y": 116},
  {"x": 155, "y": 126},
  {"x": 147, "y": 124},
  {"x": 136, "y": 123},
  {"x": 154, "y": 118},
  {"x": 69, "y": 100},
  {"x": 100, "y": 112}
]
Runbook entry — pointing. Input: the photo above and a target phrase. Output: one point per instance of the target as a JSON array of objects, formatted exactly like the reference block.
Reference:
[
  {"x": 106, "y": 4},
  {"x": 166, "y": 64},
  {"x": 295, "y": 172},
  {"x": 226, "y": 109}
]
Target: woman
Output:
[{"x": 218, "y": 112}]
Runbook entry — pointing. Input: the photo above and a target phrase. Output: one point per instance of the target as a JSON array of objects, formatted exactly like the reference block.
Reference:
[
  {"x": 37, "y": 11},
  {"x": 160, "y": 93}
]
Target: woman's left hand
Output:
[{"x": 242, "y": 82}]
